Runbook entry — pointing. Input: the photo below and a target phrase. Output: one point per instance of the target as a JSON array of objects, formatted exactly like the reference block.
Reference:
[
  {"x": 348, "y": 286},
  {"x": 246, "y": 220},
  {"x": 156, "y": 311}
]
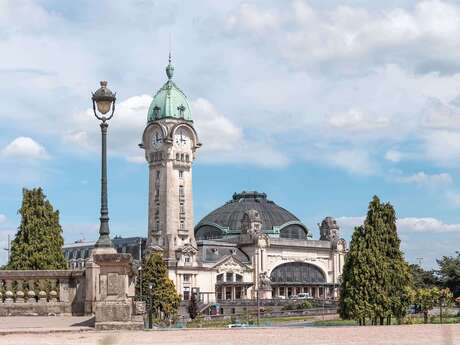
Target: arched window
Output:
[
  {"x": 208, "y": 232},
  {"x": 293, "y": 231},
  {"x": 297, "y": 272}
]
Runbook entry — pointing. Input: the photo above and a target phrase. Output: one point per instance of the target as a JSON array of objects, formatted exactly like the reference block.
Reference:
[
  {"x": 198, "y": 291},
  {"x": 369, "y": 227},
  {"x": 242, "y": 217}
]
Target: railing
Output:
[
  {"x": 277, "y": 302},
  {"x": 41, "y": 292}
]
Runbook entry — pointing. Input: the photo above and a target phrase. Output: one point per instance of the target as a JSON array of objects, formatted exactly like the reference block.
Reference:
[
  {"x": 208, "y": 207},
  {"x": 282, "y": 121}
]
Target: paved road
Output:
[
  {"x": 44, "y": 323},
  {"x": 376, "y": 335}
]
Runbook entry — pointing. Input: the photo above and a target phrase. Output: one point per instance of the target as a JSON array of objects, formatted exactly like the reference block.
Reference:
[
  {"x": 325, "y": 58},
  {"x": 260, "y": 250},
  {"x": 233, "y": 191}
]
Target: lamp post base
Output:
[{"x": 103, "y": 250}]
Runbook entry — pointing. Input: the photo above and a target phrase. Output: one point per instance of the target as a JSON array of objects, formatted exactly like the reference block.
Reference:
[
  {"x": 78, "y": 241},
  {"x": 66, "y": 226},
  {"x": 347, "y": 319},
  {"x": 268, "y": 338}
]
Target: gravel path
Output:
[{"x": 385, "y": 335}]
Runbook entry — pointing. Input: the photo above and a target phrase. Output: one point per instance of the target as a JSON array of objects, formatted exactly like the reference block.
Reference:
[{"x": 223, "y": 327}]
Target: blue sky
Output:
[{"x": 320, "y": 104}]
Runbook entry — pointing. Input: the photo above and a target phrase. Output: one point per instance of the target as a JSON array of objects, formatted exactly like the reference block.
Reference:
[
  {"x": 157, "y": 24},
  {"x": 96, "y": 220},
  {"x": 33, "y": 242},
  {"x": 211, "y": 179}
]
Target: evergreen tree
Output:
[
  {"x": 163, "y": 295},
  {"x": 376, "y": 278},
  {"x": 38, "y": 242},
  {"x": 353, "y": 297},
  {"x": 398, "y": 276}
]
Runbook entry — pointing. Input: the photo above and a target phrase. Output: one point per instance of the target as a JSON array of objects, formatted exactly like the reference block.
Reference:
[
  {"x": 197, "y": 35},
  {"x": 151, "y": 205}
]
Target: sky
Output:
[{"x": 320, "y": 104}]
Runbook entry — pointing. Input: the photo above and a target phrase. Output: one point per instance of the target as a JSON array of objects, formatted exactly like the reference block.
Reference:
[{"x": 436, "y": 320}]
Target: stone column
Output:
[{"x": 92, "y": 273}]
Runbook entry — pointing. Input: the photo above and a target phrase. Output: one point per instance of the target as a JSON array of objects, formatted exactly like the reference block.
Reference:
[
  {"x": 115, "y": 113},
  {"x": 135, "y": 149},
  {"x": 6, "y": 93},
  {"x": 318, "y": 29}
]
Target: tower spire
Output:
[{"x": 169, "y": 68}]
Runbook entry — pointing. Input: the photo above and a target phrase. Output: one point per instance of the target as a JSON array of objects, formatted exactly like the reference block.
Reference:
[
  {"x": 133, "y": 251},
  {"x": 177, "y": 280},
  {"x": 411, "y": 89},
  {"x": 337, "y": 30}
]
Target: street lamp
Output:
[
  {"x": 104, "y": 101},
  {"x": 150, "y": 305},
  {"x": 140, "y": 281}
]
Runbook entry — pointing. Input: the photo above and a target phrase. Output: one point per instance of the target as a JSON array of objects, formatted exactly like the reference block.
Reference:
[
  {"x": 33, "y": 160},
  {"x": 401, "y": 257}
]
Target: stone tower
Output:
[{"x": 170, "y": 142}]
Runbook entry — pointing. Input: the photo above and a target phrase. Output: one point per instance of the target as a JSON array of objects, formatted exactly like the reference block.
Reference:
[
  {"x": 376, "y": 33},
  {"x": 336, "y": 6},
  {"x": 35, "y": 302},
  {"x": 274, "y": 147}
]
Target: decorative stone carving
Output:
[
  {"x": 19, "y": 296},
  {"x": 232, "y": 265},
  {"x": 113, "y": 284},
  {"x": 188, "y": 249},
  {"x": 31, "y": 296},
  {"x": 251, "y": 224},
  {"x": 264, "y": 281},
  {"x": 139, "y": 307},
  {"x": 9, "y": 296},
  {"x": 53, "y": 296},
  {"x": 42, "y": 296}
]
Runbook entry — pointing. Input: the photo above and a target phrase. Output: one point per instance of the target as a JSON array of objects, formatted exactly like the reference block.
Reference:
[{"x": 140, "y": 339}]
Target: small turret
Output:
[{"x": 329, "y": 230}]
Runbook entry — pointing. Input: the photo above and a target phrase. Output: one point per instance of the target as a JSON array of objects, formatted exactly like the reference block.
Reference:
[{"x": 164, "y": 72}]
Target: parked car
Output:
[
  {"x": 304, "y": 295},
  {"x": 280, "y": 297}
]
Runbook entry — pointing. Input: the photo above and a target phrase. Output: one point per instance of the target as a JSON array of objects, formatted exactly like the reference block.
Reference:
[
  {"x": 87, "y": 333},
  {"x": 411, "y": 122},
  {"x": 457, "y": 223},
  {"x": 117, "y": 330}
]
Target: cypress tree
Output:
[
  {"x": 353, "y": 299},
  {"x": 376, "y": 278},
  {"x": 398, "y": 276},
  {"x": 38, "y": 242},
  {"x": 163, "y": 295}
]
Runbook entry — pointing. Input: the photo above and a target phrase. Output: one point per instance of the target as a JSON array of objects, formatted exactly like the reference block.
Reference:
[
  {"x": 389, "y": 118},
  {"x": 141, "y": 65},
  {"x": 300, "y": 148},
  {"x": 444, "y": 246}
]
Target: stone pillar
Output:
[
  {"x": 92, "y": 272},
  {"x": 110, "y": 282},
  {"x": 64, "y": 290}
]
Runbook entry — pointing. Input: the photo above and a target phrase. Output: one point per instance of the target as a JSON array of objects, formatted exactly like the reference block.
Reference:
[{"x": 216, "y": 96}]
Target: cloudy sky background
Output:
[{"x": 319, "y": 104}]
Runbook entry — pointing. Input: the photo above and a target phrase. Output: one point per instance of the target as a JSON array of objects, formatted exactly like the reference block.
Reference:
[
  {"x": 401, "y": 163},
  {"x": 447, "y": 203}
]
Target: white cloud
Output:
[
  {"x": 356, "y": 121},
  {"x": 427, "y": 180},
  {"x": 394, "y": 156},
  {"x": 431, "y": 225},
  {"x": 216, "y": 131},
  {"x": 442, "y": 147},
  {"x": 350, "y": 39},
  {"x": 223, "y": 141},
  {"x": 3, "y": 218},
  {"x": 25, "y": 148},
  {"x": 124, "y": 132},
  {"x": 355, "y": 161},
  {"x": 407, "y": 224}
]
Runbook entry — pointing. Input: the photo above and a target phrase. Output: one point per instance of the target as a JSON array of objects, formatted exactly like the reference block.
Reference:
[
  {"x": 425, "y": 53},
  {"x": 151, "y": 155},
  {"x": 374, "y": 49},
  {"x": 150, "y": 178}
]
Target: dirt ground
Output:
[{"x": 386, "y": 335}]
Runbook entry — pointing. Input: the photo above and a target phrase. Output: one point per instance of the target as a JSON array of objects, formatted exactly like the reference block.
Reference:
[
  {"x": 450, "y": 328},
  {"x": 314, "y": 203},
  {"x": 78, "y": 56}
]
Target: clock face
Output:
[
  {"x": 157, "y": 138},
  {"x": 182, "y": 138}
]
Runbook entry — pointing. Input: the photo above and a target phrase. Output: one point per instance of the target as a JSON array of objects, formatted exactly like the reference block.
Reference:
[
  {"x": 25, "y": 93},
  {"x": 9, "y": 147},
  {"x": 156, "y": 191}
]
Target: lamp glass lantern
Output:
[{"x": 104, "y": 101}]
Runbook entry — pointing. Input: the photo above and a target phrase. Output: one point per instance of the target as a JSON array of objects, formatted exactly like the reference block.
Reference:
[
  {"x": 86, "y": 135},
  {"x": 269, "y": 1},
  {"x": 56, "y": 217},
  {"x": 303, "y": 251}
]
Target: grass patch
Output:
[
  {"x": 264, "y": 321},
  {"x": 409, "y": 320},
  {"x": 332, "y": 323}
]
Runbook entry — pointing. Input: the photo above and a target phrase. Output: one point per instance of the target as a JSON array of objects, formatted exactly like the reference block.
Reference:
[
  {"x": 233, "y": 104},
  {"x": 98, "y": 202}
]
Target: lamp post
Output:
[
  {"x": 140, "y": 283},
  {"x": 150, "y": 306},
  {"x": 104, "y": 102}
]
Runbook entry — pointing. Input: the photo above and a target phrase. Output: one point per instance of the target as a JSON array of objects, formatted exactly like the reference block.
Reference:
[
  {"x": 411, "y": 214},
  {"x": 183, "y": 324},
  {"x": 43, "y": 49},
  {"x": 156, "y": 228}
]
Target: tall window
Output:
[
  {"x": 181, "y": 191},
  {"x": 229, "y": 277},
  {"x": 182, "y": 225},
  {"x": 181, "y": 174}
]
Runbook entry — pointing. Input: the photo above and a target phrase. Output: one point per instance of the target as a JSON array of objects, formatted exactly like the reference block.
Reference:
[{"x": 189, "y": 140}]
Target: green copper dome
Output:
[{"x": 169, "y": 101}]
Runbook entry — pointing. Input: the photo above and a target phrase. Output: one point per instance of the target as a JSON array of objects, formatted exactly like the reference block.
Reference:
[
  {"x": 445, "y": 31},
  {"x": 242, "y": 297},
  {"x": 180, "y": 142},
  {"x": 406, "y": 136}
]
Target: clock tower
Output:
[{"x": 170, "y": 143}]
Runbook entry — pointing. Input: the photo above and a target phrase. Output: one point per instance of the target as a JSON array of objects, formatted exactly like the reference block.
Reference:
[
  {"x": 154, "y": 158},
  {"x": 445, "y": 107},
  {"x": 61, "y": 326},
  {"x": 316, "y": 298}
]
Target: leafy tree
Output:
[
  {"x": 428, "y": 298},
  {"x": 163, "y": 295},
  {"x": 193, "y": 307},
  {"x": 449, "y": 273},
  {"x": 38, "y": 242},
  {"x": 422, "y": 278}
]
